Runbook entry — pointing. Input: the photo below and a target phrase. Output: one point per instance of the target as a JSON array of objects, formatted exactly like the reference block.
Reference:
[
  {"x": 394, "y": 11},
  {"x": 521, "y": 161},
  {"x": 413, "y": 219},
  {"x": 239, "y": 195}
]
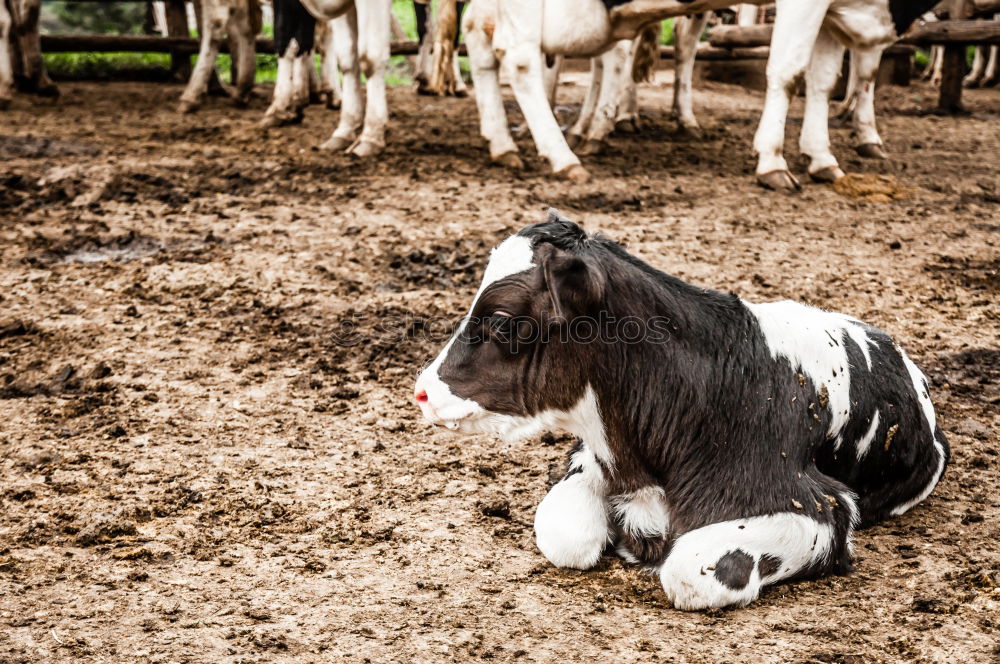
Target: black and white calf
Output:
[{"x": 726, "y": 445}]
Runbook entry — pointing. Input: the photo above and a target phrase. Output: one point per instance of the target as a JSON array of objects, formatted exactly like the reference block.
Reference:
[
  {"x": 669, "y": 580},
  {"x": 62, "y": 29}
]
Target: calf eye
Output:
[{"x": 500, "y": 325}]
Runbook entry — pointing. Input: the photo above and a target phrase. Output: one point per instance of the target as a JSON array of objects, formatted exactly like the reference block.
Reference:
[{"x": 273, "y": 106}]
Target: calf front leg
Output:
[
  {"x": 821, "y": 76},
  {"x": 796, "y": 26},
  {"x": 571, "y": 523}
]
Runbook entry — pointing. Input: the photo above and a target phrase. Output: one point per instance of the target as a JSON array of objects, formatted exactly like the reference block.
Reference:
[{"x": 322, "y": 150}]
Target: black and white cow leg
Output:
[
  {"x": 869, "y": 143},
  {"x": 345, "y": 42},
  {"x": 213, "y": 25},
  {"x": 728, "y": 563},
  {"x": 796, "y": 26},
  {"x": 374, "y": 23},
  {"x": 687, "y": 32},
  {"x": 821, "y": 76},
  {"x": 486, "y": 79},
  {"x": 283, "y": 110},
  {"x": 571, "y": 522},
  {"x": 329, "y": 90},
  {"x": 6, "y": 68}
]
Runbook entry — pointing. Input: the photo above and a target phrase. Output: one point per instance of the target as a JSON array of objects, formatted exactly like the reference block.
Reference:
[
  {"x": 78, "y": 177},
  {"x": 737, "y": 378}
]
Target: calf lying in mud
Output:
[{"x": 726, "y": 445}]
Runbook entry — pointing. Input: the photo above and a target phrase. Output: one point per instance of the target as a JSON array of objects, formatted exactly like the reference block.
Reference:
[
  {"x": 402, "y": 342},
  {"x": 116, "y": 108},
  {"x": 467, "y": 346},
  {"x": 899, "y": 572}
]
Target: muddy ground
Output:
[{"x": 199, "y": 462}]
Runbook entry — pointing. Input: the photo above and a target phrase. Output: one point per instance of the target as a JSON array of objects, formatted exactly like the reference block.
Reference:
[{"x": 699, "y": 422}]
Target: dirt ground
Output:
[{"x": 200, "y": 462}]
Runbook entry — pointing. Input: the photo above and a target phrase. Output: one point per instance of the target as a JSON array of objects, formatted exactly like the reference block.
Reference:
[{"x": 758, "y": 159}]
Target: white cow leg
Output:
[
  {"x": 489, "y": 99},
  {"x": 461, "y": 89},
  {"x": 579, "y": 129},
  {"x": 330, "y": 73},
  {"x": 796, "y": 26},
  {"x": 302, "y": 80},
  {"x": 821, "y": 76},
  {"x": 214, "y": 19},
  {"x": 603, "y": 121},
  {"x": 352, "y": 108},
  {"x": 687, "y": 31},
  {"x": 627, "y": 116},
  {"x": 869, "y": 143},
  {"x": 374, "y": 23},
  {"x": 938, "y": 70},
  {"x": 992, "y": 74},
  {"x": 550, "y": 73},
  {"x": 6, "y": 65},
  {"x": 25, "y": 15},
  {"x": 282, "y": 110},
  {"x": 975, "y": 75},
  {"x": 245, "y": 56}
]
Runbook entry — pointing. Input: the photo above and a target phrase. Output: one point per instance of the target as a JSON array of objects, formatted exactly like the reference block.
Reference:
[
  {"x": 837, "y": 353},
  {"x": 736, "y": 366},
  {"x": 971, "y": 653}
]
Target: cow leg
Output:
[
  {"x": 571, "y": 523},
  {"x": 478, "y": 27},
  {"x": 687, "y": 31},
  {"x": 727, "y": 563},
  {"x": 374, "y": 24},
  {"x": 796, "y": 27},
  {"x": 869, "y": 143},
  {"x": 329, "y": 72},
  {"x": 938, "y": 70},
  {"x": 992, "y": 74},
  {"x": 550, "y": 74},
  {"x": 303, "y": 74},
  {"x": 821, "y": 76},
  {"x": 627, "y": 116},
  {"x": 25, "y": 15},
  {"x": 613, "y": 74},
  {"x": 283, "y": 110},
  {"x": 240, "y": 26},
  {"x": 975, "y": 75},
  {"x": 345, "y": 41},
  {"x": 6, "y": 63},
  {"x": 214, "y": 17},
  {"x": 576, "y": 133}
]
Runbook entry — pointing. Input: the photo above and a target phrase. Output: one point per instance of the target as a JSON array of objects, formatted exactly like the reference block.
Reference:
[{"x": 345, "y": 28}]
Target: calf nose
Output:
[{"x": 421, "y": 396}]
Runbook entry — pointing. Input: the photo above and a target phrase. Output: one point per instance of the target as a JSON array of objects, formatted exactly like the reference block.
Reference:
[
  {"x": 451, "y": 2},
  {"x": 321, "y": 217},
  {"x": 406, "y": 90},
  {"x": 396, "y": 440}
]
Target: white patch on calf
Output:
[
  {"x": 571, "y": 522},
  {"x": 866, "y": 440},
  {"x": 812, "y": 341},
  {"x": 907, "y": 506},
  {"x": 688, "y": 574},
  {"x": 920, "y": 388},
  {"x": 643, "y": 513}
]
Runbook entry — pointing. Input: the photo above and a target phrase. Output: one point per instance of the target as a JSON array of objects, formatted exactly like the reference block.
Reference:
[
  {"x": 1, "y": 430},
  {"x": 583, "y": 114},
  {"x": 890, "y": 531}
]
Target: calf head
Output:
[{"x": 511, "y": 367}]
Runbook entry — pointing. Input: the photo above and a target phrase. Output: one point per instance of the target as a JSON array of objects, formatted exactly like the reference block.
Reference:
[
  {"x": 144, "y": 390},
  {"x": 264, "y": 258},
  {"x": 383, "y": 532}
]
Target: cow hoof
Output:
[
  {"x": 185, "y": 107},
  {"x": 591, "y": 146},
  {"x": 461, "y": 94},
  {"x": 337, "y": 144},
  {"x": 779, "y": 181},
  {"x": 692, "y": 132},
  {"x": 871, "y": 151},
  {"x": 828, "y": 174},
  {"x": 49, "y": 90},
  {"x": 424, "y": 90},
  {"x": 510, "y": 160},
  {"x": 572, "y": 140},
  {"x": 575, "y": 173},
  {"x": 364, "y": 149},
  {"x": 241, "y": 101},
  {"x": 627, "y": 126}
]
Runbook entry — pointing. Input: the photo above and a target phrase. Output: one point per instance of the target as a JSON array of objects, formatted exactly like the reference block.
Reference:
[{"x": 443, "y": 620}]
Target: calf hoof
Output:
[
  {"x": 827, "y": 175},
  {"x": 591, "y": 146},
  {"x": 572, "y": 140},
  {"x": 574, "y": 173},
  {"x": 365, "y": 149},
  {"x": 337, "y": 144},
  {"x": 778, "y": 181},
  {"x": 185, "y": 106},
  {"x": 627, "y": 126},
  {"x": 871, "y": 151},
  {"x": 510, "y": 160}
]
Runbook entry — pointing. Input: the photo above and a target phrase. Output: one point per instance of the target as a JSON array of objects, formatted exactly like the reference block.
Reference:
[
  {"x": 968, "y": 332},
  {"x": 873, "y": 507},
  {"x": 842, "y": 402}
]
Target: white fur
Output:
[
  {"x": 866, "y": 440},
  {"x": 6, "y": 53},
  {"x": 643, "y": 513},
  {"x": 219, "y": 18},
  {"x": 920, "y": 387},
  {"x": 688, "y": 576},
  {"x": 812, "y": 342},
  {"x": 571, "y": 523}
]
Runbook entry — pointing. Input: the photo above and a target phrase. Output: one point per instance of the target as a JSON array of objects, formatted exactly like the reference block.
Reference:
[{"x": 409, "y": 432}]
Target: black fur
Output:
[
  {"x": 733, "y": 569},
  {"x": 768, "y": 564},
  {"x": 905, "y": 12},
  {"x": 292, "y": 21}
]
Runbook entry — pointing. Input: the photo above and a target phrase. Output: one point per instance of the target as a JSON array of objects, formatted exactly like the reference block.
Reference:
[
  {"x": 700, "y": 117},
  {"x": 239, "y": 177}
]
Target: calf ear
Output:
[{"x": 575, "y": 286}]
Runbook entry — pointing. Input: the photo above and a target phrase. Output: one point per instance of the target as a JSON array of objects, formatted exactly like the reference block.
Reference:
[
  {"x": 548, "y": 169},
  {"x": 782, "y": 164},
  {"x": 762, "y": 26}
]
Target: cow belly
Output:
[
  {"x": 328, "y": 9},
  {"x": 575, "y": 27},
  {"x": 861, "y": 23}
]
